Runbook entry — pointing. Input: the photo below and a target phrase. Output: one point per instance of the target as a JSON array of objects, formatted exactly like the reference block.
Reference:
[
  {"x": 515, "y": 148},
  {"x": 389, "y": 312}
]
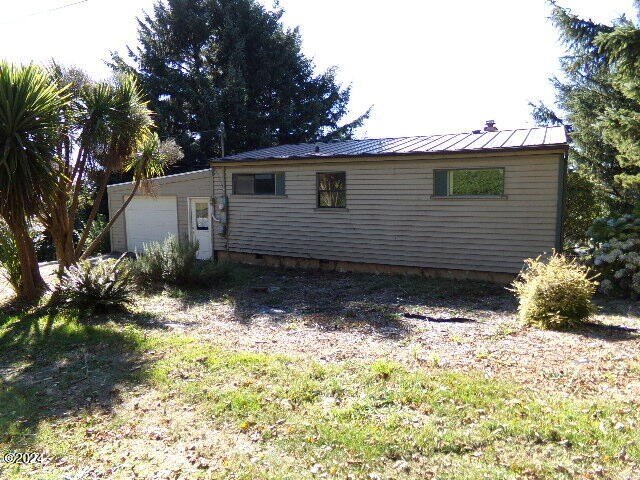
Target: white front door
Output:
[{"x": 200, "y": 222}]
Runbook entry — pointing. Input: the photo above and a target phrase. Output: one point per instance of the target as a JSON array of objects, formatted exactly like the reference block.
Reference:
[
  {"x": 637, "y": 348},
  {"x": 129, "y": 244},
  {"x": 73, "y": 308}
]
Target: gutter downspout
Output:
[
  {"x": 213, "y": 214},
  {"x": 226, "y": 212},
  {"x": 562, "y": 195}
]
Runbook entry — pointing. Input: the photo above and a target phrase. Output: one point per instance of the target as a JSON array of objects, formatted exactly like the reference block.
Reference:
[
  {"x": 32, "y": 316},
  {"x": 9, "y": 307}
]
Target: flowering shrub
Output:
[
  {"x": 554, "y": 292},
  {"x": 616, "y": 254}
]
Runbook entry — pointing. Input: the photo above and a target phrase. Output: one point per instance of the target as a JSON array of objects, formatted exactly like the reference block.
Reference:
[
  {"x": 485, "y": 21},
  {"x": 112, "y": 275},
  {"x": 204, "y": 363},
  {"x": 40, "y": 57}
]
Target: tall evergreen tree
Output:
[
  {"x": 622, "y": 125},
  {"x": 203, "y": 62},
  {"x": 586, "y": 96}
]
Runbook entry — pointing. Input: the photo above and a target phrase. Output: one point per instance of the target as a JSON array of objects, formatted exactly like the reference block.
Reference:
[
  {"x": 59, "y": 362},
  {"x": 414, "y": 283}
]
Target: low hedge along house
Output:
[{"x": 465, "y": 205}]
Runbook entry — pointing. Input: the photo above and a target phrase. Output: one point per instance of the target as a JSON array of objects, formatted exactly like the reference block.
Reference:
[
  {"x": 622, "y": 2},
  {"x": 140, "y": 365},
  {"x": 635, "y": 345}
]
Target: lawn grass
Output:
[{"x": 67, "y": 391}]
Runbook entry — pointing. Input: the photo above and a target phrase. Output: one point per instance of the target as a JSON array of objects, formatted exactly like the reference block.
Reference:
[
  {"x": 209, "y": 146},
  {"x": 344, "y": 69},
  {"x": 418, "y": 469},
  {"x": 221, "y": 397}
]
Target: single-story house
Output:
[{"x": 462, "y": 205}]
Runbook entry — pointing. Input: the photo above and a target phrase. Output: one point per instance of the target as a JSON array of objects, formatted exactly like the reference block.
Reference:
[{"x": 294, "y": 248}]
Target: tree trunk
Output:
[
  {"x": 93, "y": 245},
  {"x": 61, "y": 231},
  {"x": 32, "y": 285},
  {"x": 94, "y": 210},
  {"x": 63, "y": 241}
]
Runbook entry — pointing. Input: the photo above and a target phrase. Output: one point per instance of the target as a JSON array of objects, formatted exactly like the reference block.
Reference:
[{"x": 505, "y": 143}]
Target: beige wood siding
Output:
[
  {"x": 391, "y": 217},
  {"x": 183, "y": 186}
]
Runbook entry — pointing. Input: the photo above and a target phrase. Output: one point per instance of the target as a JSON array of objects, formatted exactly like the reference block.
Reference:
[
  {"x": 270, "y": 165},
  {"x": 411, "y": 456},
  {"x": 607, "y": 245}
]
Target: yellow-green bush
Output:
[{"x": 554, "y": 292}]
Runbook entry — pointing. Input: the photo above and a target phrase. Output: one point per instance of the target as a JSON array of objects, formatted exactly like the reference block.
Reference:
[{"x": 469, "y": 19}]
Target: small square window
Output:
[{"x": 332, "y": 189}]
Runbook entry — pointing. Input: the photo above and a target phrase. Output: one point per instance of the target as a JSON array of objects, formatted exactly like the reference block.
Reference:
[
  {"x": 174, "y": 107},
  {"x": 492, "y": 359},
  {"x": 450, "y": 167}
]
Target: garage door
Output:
[{"x": 150, "y": 219}]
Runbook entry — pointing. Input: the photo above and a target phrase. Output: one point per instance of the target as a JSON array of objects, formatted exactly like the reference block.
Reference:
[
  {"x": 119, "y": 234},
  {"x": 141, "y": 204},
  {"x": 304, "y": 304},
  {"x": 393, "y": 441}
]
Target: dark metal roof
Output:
[{"x": 519, "y": 139}]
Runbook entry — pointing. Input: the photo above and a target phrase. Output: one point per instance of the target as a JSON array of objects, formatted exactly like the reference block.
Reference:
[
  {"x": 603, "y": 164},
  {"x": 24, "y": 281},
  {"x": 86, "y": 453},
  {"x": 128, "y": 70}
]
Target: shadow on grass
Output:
[
  {"x": 341, "y": 301},
  {"x": 417, "y": 316},
  {"x": 51, "y": 366},
  {"x": 12, "y": 306},
  {"x": 145, "y": 320}
]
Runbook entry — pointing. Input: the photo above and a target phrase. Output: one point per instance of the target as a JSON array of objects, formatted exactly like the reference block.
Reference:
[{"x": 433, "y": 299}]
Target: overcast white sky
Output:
[{"x": 425, "y": 66}]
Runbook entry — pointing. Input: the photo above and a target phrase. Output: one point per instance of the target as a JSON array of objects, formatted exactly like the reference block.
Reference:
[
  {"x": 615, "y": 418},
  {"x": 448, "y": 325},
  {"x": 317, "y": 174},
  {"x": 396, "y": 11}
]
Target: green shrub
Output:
[
  {"x": 174, "y": 263},
  {"x": 586, "y": 201},
  {"x": 616, "y": 254},
  {"x": 554, "y": 292},
  {"x": 9, "y": 263},
  {"x": 100, "y": 286},
  {"x": 171, "y": 262},
  {"x": 148, "y": 267}
]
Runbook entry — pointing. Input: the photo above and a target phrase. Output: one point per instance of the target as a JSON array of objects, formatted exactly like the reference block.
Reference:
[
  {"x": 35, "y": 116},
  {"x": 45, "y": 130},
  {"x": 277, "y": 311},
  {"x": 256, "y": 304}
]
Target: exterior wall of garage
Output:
[
  {"x": 182, "y": 186},
  {"x": 391, "y": 216}
]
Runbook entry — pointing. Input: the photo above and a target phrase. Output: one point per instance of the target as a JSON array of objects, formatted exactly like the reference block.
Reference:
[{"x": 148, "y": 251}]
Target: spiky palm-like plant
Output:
[
  {"x": 57, "y": 144},
  {"x": 31, "y": 111},
  {"x": 110, "y": 131}
]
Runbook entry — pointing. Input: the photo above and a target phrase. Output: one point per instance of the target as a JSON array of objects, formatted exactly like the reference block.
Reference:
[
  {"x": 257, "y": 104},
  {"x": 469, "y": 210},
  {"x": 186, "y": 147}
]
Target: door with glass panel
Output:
[{"x": 200, "y": 224}]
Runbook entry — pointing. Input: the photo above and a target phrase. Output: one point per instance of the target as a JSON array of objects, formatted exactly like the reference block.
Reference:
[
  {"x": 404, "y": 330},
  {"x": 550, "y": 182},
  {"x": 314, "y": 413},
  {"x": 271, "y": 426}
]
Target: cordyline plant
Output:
[
  {"x": 108, "y": 129},
  {"x": 97, "y": 287},
  {"x": 62, "y": 138},
  {"x": 31, "y": 122}
]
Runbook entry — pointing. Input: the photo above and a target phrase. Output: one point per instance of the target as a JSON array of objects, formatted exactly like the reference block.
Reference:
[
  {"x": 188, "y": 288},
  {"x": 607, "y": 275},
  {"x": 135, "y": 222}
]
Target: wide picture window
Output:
[
  {"x": 258, "y": 183},
  {"x": 470, "y": 182}
]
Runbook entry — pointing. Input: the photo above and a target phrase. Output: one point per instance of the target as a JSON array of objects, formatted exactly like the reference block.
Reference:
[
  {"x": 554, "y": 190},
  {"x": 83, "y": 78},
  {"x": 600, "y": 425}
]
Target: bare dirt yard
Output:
[
  {"x": 290, "y": 374},
  {"x": 330, "y": 317}
]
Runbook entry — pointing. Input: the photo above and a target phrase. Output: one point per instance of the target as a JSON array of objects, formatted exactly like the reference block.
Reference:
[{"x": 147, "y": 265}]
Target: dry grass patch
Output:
[{"x": 417, "y": 322}]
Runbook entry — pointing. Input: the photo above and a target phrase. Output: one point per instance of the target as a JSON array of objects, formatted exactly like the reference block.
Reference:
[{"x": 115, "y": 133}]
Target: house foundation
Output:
[{"x": 358, "y": 267}]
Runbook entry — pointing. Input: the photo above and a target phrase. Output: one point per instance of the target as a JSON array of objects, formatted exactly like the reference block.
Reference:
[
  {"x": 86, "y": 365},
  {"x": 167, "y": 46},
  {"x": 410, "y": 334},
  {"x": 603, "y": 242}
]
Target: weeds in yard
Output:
[
  {"x": 435, "y": 360},
  {"x": 506, "y": 330},
  {"x": 384, "y": 369},
  {"x": 482, "y": 354}
]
